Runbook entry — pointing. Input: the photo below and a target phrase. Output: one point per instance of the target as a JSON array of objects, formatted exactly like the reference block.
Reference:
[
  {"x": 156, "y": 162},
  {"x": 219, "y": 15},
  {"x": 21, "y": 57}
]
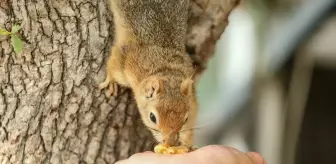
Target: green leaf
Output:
[
  {"x": 15, "y": 29},
  {"x": 16, "y": 43},
  {"x": 4, "y": 32}
]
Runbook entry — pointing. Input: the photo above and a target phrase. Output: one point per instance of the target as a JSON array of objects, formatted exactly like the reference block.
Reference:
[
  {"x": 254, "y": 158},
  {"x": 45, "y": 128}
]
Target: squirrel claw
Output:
[
  {"x": 113, "y": 87},
  {"x": 112, "y": 90},
  {"x": 108, "y": 93}
]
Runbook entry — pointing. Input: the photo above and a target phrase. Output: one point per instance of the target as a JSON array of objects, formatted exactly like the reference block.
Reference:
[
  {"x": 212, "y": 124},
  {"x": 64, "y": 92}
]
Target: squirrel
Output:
[{"x": 149, "y": 56}]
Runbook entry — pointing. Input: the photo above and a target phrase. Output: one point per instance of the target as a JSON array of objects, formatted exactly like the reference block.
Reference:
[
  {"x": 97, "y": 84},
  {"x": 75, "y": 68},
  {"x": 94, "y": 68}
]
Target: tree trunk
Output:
[{"x": 51, "y": 110}]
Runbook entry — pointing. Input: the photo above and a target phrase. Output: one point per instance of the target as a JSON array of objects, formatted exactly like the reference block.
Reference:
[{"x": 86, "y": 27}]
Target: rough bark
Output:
[
  {"x": 207, "y": 21},
  {"x": 51, "y": 110}
]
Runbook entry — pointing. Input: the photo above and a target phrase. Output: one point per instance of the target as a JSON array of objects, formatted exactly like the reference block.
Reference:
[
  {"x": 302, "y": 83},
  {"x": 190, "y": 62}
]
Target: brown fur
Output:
[{"x": 148, "y": 56}]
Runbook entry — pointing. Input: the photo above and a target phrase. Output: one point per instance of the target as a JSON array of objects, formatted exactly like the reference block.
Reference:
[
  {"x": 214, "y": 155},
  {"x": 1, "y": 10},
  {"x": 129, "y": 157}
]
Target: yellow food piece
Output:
[
  {"x": 182, "y": 150},
  {"x": 165, "y": 149},
  {"x": 160, "y": 149}
]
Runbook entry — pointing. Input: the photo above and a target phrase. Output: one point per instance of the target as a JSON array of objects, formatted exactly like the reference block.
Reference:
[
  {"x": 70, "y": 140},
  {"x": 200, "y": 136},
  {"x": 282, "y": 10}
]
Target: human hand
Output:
[{"x": 207, "y": 155}]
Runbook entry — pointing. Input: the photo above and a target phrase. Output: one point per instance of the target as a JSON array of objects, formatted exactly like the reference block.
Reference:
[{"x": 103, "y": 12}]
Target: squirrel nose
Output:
[{"x": 170, "y": 140}]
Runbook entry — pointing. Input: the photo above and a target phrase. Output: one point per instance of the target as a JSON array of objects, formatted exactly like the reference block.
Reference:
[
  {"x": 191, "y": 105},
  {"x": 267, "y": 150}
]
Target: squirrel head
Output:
[{"x": 168, "y": 109}]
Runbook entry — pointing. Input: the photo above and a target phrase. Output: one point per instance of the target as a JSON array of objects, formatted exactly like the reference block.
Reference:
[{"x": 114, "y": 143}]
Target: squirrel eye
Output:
[{"x": 152, "y": 117}]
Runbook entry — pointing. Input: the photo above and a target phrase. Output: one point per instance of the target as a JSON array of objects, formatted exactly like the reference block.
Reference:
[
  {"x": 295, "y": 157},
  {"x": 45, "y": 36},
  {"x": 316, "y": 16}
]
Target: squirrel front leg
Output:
[
  {"x": 123, "y": 36},
  {"x": 112, "y": 70}
]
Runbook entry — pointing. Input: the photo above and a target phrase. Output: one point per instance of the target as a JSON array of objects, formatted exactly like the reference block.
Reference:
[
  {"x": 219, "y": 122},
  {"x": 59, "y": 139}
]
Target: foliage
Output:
[{"x": 15, "y": 39}]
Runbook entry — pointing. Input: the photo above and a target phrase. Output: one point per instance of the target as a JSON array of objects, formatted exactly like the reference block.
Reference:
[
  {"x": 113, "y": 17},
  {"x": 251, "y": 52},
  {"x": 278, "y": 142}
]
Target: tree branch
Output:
[{"x": 207, "y": 21}]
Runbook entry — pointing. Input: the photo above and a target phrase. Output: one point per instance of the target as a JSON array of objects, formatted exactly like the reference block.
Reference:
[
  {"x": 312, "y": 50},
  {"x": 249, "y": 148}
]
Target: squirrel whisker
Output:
[{"x": 194, "y": 128}]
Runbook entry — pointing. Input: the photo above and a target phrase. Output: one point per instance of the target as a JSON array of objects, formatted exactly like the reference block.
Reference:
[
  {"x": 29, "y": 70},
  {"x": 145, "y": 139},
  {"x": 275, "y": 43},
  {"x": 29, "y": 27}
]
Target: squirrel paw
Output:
[
  {"x": 193, "y": 148},
  {"x": 113, "y": 87},
  {"x": 105, "y": 83},
  {"x": 112, "y": 90}
]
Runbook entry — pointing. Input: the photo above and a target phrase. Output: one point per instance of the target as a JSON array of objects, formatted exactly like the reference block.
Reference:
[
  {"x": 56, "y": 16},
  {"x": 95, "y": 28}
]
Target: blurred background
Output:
[{"x": 271, "y": 85}]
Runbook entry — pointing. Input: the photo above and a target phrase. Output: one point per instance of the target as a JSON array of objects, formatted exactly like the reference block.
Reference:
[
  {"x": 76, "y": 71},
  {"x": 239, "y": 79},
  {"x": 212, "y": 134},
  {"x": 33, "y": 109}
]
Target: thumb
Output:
[{"x": 221, "y": 154}]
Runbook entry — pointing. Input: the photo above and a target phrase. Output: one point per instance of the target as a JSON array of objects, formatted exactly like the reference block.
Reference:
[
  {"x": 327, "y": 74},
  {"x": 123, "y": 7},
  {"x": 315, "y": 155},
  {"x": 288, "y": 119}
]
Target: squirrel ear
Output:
[
  {"x": 153, "y": 87},
  {"x": 187, "y": 87}
]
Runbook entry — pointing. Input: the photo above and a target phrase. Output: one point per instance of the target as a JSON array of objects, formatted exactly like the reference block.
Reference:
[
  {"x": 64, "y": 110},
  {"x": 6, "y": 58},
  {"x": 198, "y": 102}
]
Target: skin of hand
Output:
[{"x": 212, "y": 154}]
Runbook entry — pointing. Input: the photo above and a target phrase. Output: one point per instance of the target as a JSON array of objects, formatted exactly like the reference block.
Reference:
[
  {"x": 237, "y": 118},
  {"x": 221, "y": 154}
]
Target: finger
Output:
[
  {"x": 139, "y": 158},
  {"x": 249, "y": 157},
  {"x": 223, "y": 154},
  {"x": 215, "y": 154},
  {"x": 152, "y": 158},
  {"x": 256, "y": 158},
  {"x": 146, "y": 157},
  {"x": 148, "y": 152},
  {"x": 122, "y": 162}
]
